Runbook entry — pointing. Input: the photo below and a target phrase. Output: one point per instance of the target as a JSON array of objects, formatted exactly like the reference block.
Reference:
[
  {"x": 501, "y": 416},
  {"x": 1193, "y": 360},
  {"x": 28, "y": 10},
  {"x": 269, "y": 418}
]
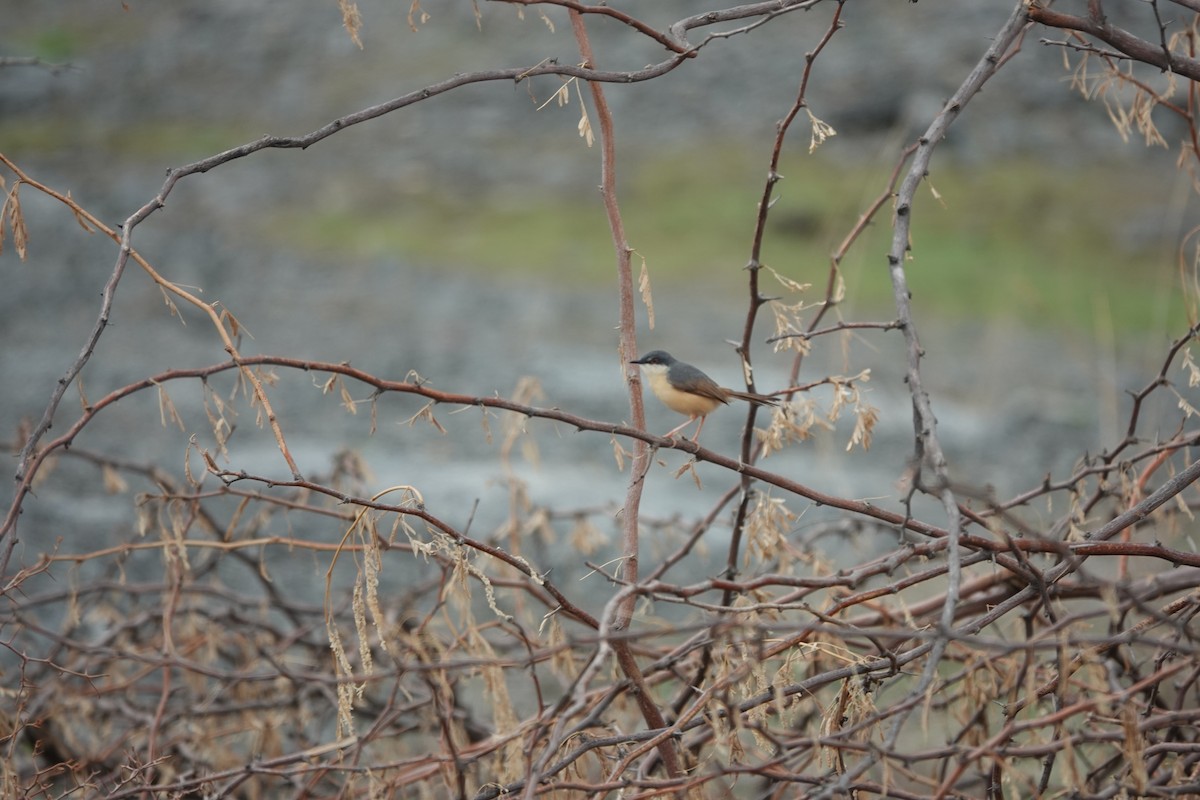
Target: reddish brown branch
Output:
[{"x": 1124, "y": 41}]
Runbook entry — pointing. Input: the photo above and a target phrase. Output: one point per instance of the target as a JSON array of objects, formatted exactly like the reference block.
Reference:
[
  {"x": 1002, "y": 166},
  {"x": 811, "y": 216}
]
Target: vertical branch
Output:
[
  {"x": 756, "y": 302},
  {"x": 627, "y": 346},
  {"x": 928, "y": 449},
  {"x": 623, "y": 610},
  {"x": 755, "y": 295}
]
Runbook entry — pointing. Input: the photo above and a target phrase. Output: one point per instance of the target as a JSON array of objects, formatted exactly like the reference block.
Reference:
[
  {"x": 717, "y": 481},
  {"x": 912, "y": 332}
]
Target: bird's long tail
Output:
[{"x": 759, "y": 399}]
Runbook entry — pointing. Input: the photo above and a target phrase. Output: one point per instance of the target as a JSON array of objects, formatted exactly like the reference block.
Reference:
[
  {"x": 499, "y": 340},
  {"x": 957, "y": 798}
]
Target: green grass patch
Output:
[
  {"x": 56, "y": 44},
  {"x": 178, "y": 141},
  {"x": 1021, "y": 240},
  {"x": 173, "y": 143}
]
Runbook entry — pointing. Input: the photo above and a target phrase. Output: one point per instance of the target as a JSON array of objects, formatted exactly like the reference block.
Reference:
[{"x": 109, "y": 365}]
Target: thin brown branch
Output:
[{"x": 1122, "y": 40}]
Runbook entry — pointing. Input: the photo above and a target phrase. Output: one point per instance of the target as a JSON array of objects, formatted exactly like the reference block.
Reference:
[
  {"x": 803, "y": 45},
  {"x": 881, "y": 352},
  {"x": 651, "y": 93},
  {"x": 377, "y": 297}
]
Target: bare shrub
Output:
[{"x": 1040, "y": 644}]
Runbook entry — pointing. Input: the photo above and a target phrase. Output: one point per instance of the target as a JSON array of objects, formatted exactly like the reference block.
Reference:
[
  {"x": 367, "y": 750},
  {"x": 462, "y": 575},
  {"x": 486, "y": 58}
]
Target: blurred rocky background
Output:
[{"x": 463, "y": 238}]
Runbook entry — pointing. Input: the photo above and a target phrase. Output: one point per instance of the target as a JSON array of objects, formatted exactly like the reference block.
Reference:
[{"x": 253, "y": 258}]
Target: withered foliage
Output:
[{"x": 248, "y": 632}]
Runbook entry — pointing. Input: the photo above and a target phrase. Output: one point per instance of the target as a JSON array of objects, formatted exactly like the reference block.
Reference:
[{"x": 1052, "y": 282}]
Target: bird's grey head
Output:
[{"x": 656, "y": 358}]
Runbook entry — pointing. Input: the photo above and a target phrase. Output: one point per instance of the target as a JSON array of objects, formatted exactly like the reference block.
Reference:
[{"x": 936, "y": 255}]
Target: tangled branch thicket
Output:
[{"x": 1042, "y": 644}]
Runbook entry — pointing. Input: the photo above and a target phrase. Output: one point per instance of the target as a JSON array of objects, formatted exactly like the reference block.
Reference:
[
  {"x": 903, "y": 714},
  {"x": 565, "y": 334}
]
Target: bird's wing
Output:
[{"x": 698, "y": 383}]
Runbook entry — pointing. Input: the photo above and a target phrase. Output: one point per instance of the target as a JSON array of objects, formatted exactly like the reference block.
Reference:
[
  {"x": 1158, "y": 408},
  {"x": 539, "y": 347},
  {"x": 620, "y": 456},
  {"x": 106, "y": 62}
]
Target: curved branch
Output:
[
  {"x": 1120, "y": 39},
  {"x": 406, "y": 387},
  {"x": 928, "y": 449}
]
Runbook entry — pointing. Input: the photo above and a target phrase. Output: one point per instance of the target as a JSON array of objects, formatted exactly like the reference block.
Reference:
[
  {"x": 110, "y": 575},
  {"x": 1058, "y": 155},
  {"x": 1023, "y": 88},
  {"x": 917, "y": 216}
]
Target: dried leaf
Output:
[
  {"x": 585, "y": 124},
  {"x": 113, "y": 482},
  {"x": 561, "y": 96},
  {"x": 235, "y": 327},
  {"x": 345, "y": 688},
  {"x": 487, "y": 426},
  {"x": 351, "y": 20},
  {"x": 514, "y": 425},
  {"x": 1192, "y": 370},
  {"x": 347, "y": 400},
  {"x": 79, "y": 217},
  {"x": 767, "y": 527},
  {"x": 821, "y": 131},
  {"x": 585, "y": 537},
  {"x": 84, "y": 403},
  {"x": 788, "y": 283},
  {"x": 689, "y": 466},
  {"x": 426, "y": 413},
  {"x": 358, "y": 606},
  {"x": 218, "y": 419},
  {"x": 644, "y": 288},
  {"x": 839, "y": 288},
  {"x": 1187, "y": 408},
  {"x": 416, "y": 16},
  {"x": 11, "y": 214},
  {"x": 620, "y": 454},
  {"x": 166, "y": 408},
  {"x": 864, "y": 424},
  {"x": 171, "y": 305},
  {"x": 935, "y": 193},
  {"x": 504, "y": 715}
]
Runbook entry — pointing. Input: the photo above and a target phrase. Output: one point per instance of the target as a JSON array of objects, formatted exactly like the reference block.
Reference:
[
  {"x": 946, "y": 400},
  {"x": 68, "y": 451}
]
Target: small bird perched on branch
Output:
[{"x": 686, "y": 390}]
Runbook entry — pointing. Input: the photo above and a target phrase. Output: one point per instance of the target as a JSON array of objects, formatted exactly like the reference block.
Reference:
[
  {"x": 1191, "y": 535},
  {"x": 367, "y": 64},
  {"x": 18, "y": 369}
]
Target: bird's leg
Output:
[
  {"x": 699, "y": 428},
  {"x": 678, "y": 428}
]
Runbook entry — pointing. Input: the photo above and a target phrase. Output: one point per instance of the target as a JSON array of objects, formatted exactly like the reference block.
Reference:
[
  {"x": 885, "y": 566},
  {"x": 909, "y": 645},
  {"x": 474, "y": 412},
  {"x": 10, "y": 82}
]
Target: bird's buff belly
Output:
[{"x": 680, "y": 402}]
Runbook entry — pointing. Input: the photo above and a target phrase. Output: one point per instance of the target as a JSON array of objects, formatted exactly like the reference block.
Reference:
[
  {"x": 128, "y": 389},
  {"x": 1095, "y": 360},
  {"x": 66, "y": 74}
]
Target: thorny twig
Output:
[{"x": 163, "y": 659}]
